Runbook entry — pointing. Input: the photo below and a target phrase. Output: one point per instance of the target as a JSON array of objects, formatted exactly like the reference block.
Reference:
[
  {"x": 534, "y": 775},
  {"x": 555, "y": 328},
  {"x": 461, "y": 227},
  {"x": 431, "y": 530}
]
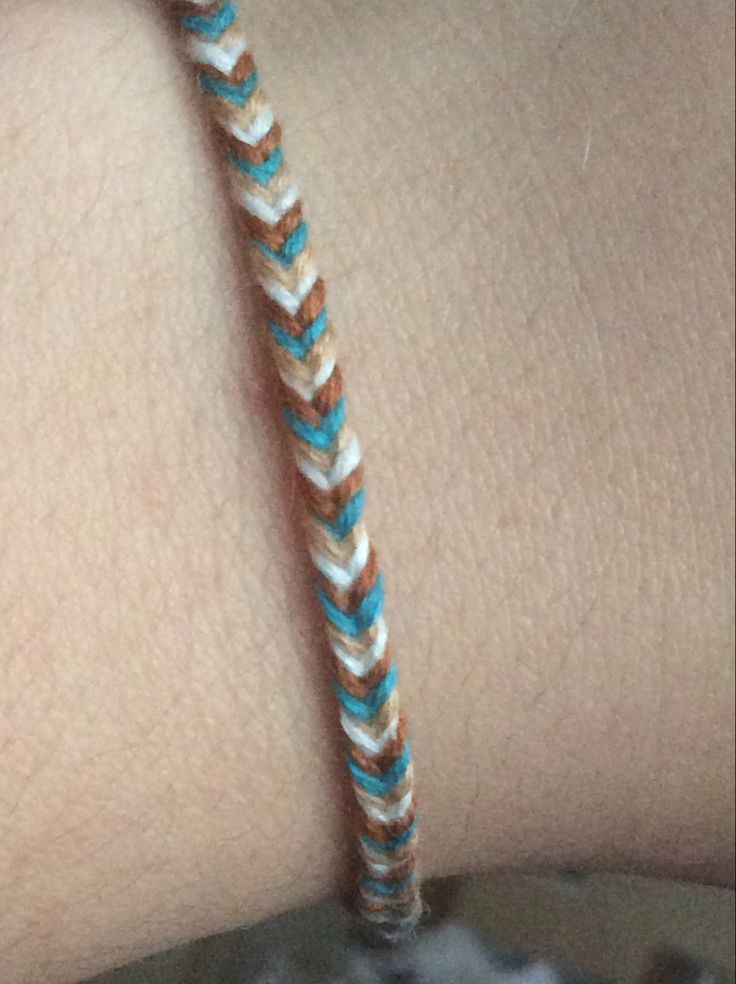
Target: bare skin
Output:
[{"x": 523, "y": 212}]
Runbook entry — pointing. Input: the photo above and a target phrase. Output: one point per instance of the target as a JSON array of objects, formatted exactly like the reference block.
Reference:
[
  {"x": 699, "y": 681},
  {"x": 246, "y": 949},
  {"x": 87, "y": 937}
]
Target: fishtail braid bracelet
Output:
[{"x": 349, "y": 585}]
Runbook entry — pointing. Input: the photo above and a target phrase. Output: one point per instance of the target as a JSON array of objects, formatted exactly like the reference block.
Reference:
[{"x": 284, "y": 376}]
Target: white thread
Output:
[
  {"x": 383, "y": 869},
  {"x": 345, "y": 463},
  {"x": 394, "y": 811},
  {"x": 307, "y": 390},
  {"x": 291, "y": 300},
  {"x": 391, "y": 926},
  {"x": 258, "y": 129},
  {"x": 270, "y": 214},
  {"x": 224, "y": 59},
  {"x": 343, "y": 577},
  {"x": 361, "y": 665},
  {"x": 372, "y": 745}
]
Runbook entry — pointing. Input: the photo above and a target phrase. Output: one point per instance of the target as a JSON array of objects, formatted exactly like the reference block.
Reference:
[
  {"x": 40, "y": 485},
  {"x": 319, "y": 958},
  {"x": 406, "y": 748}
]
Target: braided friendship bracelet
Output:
[{"x": 349, "y": 585}]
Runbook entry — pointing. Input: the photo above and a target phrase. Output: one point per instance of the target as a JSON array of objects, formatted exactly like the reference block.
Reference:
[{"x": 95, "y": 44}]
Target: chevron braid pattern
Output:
[{"x": 350, "y": 587}]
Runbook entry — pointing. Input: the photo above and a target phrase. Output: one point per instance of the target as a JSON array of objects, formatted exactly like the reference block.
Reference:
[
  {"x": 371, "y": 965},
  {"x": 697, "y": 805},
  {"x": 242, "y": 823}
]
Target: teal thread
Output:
[
  {"x": 387, "y": 888},
  {"x": 365, "y": 708},
  {"x": 355, "y": 623},
  {"x": 291, "y": 249},
  {"x": 212, "y": 27},
  {"x": 236, "y": 93},
  {"x": 261, "y": 173},
  {"x": 300, "y": 347},
  {"x": 348, "y": 516},
  {"x": 321, "y": 436},
  {"x": 393, "y": 843},
  {"x": 381, "y": 784}
]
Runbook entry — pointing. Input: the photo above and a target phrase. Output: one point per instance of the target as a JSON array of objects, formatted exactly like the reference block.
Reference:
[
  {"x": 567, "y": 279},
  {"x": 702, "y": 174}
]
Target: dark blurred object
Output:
[{"x": 676, "y": 968}]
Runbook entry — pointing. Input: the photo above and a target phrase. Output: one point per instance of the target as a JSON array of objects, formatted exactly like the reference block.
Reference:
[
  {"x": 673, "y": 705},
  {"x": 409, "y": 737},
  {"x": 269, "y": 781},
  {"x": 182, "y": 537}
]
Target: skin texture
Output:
[{"x": 523, "y": 215}]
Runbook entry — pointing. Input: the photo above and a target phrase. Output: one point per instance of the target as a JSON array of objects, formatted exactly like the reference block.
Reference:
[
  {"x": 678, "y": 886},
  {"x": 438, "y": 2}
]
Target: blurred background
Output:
[{"x": 485, "y": 929}]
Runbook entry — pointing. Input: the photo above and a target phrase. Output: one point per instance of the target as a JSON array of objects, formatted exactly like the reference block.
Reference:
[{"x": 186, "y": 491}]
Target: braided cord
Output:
[{"x": 349, "y": 585}]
